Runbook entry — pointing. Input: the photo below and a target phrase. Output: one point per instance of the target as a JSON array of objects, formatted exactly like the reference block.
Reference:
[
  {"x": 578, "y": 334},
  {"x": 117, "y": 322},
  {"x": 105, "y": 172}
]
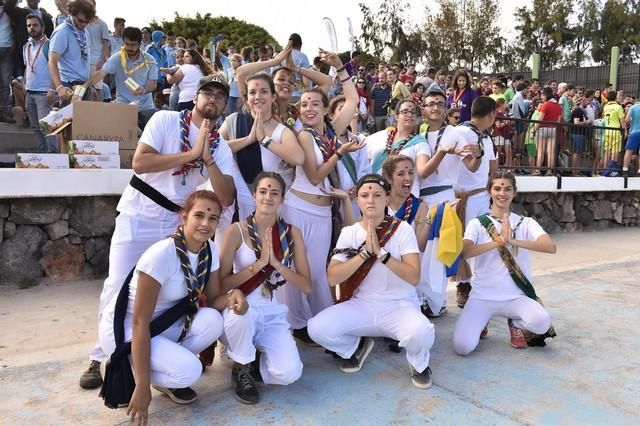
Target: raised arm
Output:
[
  {"x": 247, "y": 70},
  {"x": 344, "y": 117}
]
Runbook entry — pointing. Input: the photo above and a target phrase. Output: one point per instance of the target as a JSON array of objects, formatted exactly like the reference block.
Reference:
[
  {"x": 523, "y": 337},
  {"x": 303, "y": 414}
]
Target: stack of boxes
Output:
[{"x": 93, "y": 135}]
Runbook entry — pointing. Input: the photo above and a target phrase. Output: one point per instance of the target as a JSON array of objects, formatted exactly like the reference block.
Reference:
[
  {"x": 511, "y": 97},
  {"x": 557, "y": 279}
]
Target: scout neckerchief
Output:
[
  {"x": 81, "y": 38},
  {"x": 443, "y": 127},
  {"x": 347, "y": 160},
  {"x": 214, "y": 141},
  {"x": 393, "y": 148},
  {"x": 195, "y": 281},
  {"x": 328, "y": 145},
  {"x": 384, "y": 231},
  {"x": 282, "y": 244},
  {"x": 408, "y": 209},
  {"x": 478, "y": 133},
  {"x": 516, "y": 273},
  {"x": 30, "y": 63},
  {"x": 457, "y": 96},
  {"x": 123, "y": 62}
]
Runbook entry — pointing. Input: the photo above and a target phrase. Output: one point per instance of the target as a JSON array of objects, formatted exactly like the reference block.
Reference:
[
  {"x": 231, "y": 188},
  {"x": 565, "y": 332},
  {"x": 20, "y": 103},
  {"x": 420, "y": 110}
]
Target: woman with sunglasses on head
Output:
[
  {"x": 365, "y": 105},
  {"x": 308, "y": 204},
  {"x": 453, "y": 116},
  {"x": 287, "y": 111},
  {"x": 188, "y": 76},
  {"x": 260, "y": 255},
  {"x": 401, "y": 139},
  {"x": 259, "y": 141},
  {"x": 377, "y": 264},
  {"x": 499, "y": 243},
  {"x": 165, "y": 311}
]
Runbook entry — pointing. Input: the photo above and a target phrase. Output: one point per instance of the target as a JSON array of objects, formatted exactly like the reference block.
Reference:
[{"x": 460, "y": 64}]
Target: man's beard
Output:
[
  {"x": 209, "y": 111},
  {"x": 35, "y": 36}
]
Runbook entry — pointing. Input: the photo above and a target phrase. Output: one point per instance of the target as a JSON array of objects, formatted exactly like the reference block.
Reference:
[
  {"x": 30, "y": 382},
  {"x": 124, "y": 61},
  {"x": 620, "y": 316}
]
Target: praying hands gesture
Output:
[
  {"x": 372, "y": 245},
  {"x": 265, "y": 252},
  {"x": 202, "y": 142},
  {"x": 505, "y": 232},
  {"x": 258, "y": 126}
]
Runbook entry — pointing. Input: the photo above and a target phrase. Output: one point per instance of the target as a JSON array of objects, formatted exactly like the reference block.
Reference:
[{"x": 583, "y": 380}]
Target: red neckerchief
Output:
[
  {"x": 32, "y": 65},
  {"x": 457, "y": 95}
]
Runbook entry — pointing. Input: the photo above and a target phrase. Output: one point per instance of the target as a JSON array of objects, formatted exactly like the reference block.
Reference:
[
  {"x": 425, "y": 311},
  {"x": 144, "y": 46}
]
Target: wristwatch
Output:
[{"x": 266, "y": 141}]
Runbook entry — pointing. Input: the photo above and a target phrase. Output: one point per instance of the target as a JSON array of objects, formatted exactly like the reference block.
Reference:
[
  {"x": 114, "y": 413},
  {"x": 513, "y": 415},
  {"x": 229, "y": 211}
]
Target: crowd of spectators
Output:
[{"x": 46, "y": 61}]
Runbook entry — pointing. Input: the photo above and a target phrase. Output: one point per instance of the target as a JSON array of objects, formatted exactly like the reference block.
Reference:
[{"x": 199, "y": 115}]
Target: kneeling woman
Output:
[
  {"x": 180, "y": 270},
  {"x": 260, "y": 254},
  {"x": 377, "y": 261},
  {"x": 500, "y": 242}
]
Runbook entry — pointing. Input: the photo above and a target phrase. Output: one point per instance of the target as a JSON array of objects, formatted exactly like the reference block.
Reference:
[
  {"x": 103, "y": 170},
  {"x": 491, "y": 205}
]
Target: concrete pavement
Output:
[{"x": 589, "y": 374}]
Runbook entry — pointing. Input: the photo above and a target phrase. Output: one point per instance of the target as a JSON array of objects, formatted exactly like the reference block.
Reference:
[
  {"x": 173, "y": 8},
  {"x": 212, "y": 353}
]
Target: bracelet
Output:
[
  {"x": 382, "y": 253},
  {"x": 340, "y": 69},
  {"x": 499, "y": 241},
  {"x": 251, "y": 268},
  {"x": 211, "y": 162},
  {"x": 364, "y": 254},
  {"x": 477, "y": 158},
  {"x": 266, "y": 141},
  {"x": 386, "y": 259},
  {"x": 58, "y": 88},
  {"x": 345, "y": 80},
  {"x": 339, "y": 155}
]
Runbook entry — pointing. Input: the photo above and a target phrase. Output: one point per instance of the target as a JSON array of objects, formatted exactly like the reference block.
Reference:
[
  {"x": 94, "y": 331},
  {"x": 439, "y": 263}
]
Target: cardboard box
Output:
[
  {"x": 55, "y": 119},
  {"x": 101, "y": 122},
  {"x": 126, "y": 158},
  {"x": 95, "y": 161},
  {"x": 42, "y": 161},
  {"x": 93, "y": 148}
]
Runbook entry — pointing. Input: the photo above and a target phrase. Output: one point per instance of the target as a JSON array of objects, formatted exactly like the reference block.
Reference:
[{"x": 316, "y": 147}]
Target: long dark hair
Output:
[
  {"x": 198, "y": 60},
  {"x": 461, "y": 73}
]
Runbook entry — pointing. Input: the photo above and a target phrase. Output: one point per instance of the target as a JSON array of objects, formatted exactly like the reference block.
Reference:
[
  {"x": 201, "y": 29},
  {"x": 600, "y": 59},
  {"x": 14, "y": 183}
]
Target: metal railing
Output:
[{"x": 558, "y": 148}]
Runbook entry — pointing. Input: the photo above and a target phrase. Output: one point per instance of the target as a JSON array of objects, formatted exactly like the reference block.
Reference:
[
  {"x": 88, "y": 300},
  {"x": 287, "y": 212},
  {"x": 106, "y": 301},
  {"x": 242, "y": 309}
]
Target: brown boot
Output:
[{"x": 462, "y": 294}]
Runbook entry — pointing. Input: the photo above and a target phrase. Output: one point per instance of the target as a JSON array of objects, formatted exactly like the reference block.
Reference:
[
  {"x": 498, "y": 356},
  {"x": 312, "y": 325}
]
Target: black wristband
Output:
[{"x": 386, "y": 259}]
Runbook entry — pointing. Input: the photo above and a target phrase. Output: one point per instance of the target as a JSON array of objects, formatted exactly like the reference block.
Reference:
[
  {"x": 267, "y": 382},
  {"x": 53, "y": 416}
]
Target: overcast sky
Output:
[{"x": 280, "y": 18}]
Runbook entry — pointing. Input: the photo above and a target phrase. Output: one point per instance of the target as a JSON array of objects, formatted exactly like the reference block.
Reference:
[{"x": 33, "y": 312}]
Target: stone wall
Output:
[
  {"x": 580, "y": 211},
  {"x": 68, "y": 238},
  {"x": 60, "y": 238}
]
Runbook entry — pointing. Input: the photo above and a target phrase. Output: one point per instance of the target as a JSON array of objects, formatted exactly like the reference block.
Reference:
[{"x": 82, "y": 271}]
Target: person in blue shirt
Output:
[
  {"x": 156, "y": 50},
  {"x": 37, "y": 80},
  {"x": 171, "y": 49},
  {"x": 633, "y": 142},
  {"x": 132, "y": 63},
  {"x": 69, "y": 50}
]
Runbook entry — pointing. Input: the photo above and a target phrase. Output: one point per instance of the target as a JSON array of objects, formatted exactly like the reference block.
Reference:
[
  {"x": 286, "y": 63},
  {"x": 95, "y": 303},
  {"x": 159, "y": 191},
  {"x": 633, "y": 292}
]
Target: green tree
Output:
[
  {"x": 444, "y": 47},
  {"x": 584, "y": 32},
  {"x": 620, "y": 25},
  {"x": 544, "y": 28},
  {"x": 387, "y": 34},
  {"x": 203, "y": 27}
]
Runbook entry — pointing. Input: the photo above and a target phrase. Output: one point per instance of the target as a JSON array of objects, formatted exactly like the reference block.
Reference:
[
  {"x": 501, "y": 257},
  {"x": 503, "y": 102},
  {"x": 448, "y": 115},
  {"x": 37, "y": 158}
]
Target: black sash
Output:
[{"x": 153, "y": 194}]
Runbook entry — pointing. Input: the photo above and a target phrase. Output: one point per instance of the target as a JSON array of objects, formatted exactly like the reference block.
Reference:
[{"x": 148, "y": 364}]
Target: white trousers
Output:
[
  {"x": 263, "y": 327},
  {"x": 525, "y": 312},
  {"x": 172, "y": 364},
  {"x": 314, "y": 223},
  {"x": 477, "y": 205},
  {"x": 132, "y": 236},
  {"x": 340, "y": 327}
]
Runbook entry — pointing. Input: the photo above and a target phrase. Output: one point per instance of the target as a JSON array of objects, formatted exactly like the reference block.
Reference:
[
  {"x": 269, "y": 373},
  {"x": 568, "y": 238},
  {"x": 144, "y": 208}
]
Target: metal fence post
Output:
[{"x": 613, "y": 70}]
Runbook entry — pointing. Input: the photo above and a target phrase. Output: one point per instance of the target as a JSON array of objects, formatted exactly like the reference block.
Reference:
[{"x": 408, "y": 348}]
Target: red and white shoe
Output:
[{"x": 517, "y": 336}]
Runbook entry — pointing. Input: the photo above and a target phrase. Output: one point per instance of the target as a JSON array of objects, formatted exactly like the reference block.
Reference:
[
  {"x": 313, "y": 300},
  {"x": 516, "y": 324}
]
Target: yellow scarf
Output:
[{"x": 123, "y": 62}]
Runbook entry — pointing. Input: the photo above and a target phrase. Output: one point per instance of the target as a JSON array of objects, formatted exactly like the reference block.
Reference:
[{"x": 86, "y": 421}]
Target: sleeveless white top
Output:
[{"x": 301, "y": 182}]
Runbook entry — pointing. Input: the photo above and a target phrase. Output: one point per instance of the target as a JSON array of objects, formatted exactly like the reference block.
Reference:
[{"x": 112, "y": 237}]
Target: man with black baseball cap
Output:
[{"x": 175, "y": 152}]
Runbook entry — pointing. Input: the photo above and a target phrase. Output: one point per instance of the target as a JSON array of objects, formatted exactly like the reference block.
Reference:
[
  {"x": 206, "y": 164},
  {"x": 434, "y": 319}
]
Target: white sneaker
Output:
[{"x": 224, "y": 356}]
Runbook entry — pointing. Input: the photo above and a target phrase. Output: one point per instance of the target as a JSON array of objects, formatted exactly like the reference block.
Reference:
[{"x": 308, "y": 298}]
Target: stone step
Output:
[{"x": 15, "y": 139}]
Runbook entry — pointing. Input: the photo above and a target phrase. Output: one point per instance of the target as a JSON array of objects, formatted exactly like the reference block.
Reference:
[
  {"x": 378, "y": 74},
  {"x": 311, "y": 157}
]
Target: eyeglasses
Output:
[
  {"x": 435, "y": 105},
  {"x": 216, "y": 96},
  {"x": 408, "y": 112}
]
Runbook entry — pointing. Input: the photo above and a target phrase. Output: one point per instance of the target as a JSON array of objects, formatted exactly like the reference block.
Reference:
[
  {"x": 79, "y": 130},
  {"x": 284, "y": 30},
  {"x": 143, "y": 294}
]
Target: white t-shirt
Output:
[
  {"x": 161, "y": 263},
  {"x": 381, "y": 283},
  {"x": 468, "y": 180},
  {"x": 377, "y": 142},
  {"x": 447, "y": 172},
  {"x": 363, "y": 167},
  {"x": 491, "y": 279},
  {"x": 162, "y": 133},
  {"x": 189, "y": 83}
]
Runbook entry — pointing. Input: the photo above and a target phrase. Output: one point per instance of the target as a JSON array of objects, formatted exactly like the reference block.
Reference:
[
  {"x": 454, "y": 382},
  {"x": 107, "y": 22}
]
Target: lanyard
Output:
[{"x": 31, "y": 64}]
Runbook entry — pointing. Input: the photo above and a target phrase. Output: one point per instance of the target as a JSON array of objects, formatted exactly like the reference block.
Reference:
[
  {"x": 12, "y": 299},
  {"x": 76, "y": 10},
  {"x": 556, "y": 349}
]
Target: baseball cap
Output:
[{"x": 215, "y": 80}]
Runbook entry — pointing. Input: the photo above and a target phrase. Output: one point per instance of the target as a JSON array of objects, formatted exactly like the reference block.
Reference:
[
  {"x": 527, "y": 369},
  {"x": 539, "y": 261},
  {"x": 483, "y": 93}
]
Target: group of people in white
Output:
[{"x": 321, "y": 236}]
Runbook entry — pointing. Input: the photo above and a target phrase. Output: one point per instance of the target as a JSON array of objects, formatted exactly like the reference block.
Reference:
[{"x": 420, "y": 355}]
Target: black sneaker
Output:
[
  {"x": 303, "y": 335},
  {"x": 354, "y": 364},
  {"x": 421, "y": 380},
  {"x": 91, "y": 378},
  {"x": 255, "y": 370},
  {"x": 246, "y": 390},
  {"x": 181, "y": 396}
]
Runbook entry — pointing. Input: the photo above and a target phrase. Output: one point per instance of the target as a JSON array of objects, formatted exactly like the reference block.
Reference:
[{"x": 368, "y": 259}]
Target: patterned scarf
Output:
[
  {"x": 282, "y": 243},
  {"x": 195, "y": 282},
  {"x": 292, "y": 116},
  {"x": 328, "y": 144},
  {"x": 214, "y": 141},
  {"x": 478, "y": 133},
  {"x": 384, "y": 231},
  {"x": 81, "y": 38},
  {"x": 393, "y": 148},
  {"x": 408, "y": 209},
  {"x": 124, "y": 60}
]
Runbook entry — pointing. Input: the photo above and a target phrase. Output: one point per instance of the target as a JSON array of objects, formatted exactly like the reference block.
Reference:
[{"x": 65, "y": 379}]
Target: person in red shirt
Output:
[
  {"x": 545, "y": 130},
  {"x": 502, "y": 132}
]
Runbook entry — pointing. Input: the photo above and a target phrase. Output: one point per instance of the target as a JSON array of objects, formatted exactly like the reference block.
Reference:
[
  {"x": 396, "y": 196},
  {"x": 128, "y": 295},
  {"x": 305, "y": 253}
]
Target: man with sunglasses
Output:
[
  {"x": 69, "y": 51},
  {"x": 176, "y": 150}
]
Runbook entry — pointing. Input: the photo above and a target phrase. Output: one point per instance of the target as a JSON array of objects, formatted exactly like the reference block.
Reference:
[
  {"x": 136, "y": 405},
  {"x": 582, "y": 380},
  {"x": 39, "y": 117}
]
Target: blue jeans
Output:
[
  {"x": 7, "y": 62},
  {"x": 37, "y": 108}
]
